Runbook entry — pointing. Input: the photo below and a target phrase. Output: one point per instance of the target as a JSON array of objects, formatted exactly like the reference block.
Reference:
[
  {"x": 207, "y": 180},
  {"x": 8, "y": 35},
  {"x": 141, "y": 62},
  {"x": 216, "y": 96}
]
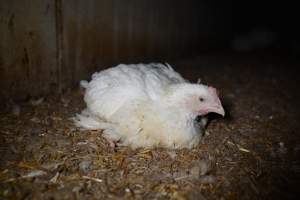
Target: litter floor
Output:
[{"x": 252, "y": 153}]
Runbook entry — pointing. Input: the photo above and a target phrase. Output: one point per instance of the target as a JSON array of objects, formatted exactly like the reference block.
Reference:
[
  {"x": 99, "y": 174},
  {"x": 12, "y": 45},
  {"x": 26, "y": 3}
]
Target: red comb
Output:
[{"x": 212, "y": 90}]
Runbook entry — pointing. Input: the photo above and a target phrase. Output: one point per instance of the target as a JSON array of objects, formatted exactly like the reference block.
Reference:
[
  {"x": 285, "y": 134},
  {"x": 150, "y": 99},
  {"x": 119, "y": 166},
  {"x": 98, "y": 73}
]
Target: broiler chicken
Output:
[{"x": 147, "y": 105}]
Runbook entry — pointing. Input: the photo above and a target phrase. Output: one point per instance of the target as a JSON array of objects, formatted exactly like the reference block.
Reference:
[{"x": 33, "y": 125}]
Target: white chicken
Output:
[{"x": 147, "y": 105}]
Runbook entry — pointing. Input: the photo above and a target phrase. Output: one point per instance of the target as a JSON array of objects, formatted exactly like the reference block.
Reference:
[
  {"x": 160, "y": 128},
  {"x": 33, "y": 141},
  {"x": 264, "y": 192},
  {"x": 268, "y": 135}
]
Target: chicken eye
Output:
[{"x": 201, "y": 99}]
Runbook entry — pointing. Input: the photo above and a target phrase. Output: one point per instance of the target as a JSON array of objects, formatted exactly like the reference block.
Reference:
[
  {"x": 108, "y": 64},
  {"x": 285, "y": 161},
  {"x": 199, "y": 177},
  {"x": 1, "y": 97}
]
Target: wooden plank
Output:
[{"x": 27, "y": 48}]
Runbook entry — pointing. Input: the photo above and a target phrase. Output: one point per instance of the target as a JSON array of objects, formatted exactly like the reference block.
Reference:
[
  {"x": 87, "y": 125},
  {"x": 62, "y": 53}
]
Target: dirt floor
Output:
[{"x": 250, "y": 154}]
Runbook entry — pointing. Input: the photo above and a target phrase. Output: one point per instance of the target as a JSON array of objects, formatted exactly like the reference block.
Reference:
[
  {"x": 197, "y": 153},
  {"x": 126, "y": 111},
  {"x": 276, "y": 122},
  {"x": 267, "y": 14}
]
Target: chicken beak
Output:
[
  {"x": 213, "y": 109},
  {"x": 218, "y": 109},
  {"x": 217, "y": 106}
]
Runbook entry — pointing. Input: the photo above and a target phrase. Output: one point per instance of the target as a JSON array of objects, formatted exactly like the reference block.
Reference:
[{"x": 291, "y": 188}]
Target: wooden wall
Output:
[
  {"x": 49, "y": 45},
  {"x": 27, "y": 48}
]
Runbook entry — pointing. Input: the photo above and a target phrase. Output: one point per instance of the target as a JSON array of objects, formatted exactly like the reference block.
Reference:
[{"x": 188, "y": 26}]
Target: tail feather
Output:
[
  {"x": 87, "y": 120},
  {"x": 84, "y": 84}
]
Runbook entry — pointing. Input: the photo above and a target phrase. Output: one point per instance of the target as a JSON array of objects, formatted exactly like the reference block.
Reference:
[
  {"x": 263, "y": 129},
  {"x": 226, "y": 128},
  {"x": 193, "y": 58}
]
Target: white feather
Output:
[
  {"x": 142, "y": 105},
  {"x": 84, "y": 84}
]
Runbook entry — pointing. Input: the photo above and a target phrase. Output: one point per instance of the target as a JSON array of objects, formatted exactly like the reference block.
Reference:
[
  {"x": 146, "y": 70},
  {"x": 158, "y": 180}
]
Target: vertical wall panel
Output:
[
  {"x": 51, "y": 45},
  {"x": 98, "y": 34},
  {"x": 27, "y": 48}
]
